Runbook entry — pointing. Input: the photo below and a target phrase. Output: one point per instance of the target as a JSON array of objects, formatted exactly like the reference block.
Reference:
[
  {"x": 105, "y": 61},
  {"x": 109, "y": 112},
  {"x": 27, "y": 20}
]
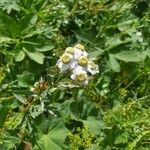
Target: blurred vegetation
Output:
[{"x": 112, "y": 112}]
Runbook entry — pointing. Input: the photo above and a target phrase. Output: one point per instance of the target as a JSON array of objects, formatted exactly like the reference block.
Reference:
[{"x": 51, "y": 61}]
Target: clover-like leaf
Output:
[{"x": 52, "y": 134}]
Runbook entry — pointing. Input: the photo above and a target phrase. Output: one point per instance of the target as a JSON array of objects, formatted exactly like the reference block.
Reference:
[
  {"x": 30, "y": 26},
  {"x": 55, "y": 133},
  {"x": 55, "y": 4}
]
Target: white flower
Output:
[
  {"x": 80, "y": 76},
  {"x": 92, "y": 67},
  {"x": 79, "y": 51},
  {"x": 76, "y": 51},
  {"x": 77, "y": 61},
  {"x": 66, "y": 62}
]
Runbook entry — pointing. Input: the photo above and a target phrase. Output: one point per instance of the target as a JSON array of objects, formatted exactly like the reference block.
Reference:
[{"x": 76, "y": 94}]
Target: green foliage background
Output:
[{"x": 112, "y": 112}]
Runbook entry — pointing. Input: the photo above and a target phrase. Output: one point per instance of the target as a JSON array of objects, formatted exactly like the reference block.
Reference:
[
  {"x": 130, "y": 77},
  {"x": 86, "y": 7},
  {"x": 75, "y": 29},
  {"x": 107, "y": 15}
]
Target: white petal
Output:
[
  {"x": 85, "y": 53},
  {"x": 65, "y": 67},
  {"x": 60, "y": 64},
  {"x": 77, "y": 53},
  {"x": 86, "y": 82},
  {"x": 73, "y": 64},
  {"x": 73, "y": 76},
  {"x": 77, "y": 70}
]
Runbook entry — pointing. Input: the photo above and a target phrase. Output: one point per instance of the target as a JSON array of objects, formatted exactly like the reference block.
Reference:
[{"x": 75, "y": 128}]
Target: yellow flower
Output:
[
  {"x": 82, "y": 60},
  {"x": 81, "y": 77},
  {"x": 65, "y": 58},
  {"x": 70, "y": 50},
  {"x": 79, "y": 46}
]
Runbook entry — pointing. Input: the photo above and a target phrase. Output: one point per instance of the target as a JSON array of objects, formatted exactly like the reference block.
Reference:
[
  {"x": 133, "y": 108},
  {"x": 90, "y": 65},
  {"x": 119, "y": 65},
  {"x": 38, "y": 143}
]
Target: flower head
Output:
[
  {"x": 80, "y": 76},
  {"x": 80, "y": 46},
  {"x": 66, "y": 58},
  {"x": 70, "y": 50},
  {"x": 66, "y": 62},
  {"x": 79, "y": 51},
  {"x": 82, "y": 60},
  {"x": 77, "y": 61},
  {"x": 92, "y": 67}
]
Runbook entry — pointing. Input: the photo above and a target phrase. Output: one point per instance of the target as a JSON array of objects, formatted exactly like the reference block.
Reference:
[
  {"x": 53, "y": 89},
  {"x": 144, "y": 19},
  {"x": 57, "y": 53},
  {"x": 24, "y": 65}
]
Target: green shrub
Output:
[{"x": 41, "y": 108}]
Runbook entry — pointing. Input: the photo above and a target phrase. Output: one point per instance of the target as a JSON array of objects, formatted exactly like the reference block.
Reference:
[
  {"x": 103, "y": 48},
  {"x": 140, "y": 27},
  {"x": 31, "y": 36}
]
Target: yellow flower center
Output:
[
  {"x": 82, "y": 60},
  {"x": 92, "y": 64},
  {"x": 65, "y": 58},
  {"x": 70, "y": 50},
  {"x": 79, "y": 46},
  {"x": 81, "y": 77}
]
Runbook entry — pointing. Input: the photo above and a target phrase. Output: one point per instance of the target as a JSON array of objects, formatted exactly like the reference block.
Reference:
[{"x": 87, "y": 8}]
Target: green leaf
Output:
[
  {"x": 20, "y": 56},
  {"x": 9, "y": 5},
  {"x": 122, "y": 138},
  {"x": 52, "y": 134},
  {"x": 133, "y": 144},
  {"x": 81, "y": 109},
  {"x": 6, "y": 40},
  {"x": 148, "y": 52},
  {"x": 65, "y": 108},
  {"x": 95, "y": 147},
  {"x": 115, "y": 41},
  {"x": 4, "y": 109},
  {"x": 94, "y": 124},
  {"x": 20, "y": 98},
  {"x": 113, "y": 63},
  {"x": 131, "y": 56},
  {"x": 36, "y": 56},
  {"x": 9, "y": 142},
  {"x": 13, "y": 28},
  {"x": 25, "y": 79},
  {"x": 127, "y": 25},
  {"x": 46, "y": 48},
  {"x": 95, "y": 54}
]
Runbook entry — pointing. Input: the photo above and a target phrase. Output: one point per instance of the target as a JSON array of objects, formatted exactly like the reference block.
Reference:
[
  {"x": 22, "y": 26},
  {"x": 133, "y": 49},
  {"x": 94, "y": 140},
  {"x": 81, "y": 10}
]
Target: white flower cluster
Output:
[{"x": 76, "y": 60}]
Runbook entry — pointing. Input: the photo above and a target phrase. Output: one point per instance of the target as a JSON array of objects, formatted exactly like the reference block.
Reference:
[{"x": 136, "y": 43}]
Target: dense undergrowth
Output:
[{"x": 111, "y": 112}]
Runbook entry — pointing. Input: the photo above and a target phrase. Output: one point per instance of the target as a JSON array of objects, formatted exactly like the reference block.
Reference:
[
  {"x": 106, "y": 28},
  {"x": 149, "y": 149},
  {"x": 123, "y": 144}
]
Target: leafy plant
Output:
[{"x": 41, "y": 108}]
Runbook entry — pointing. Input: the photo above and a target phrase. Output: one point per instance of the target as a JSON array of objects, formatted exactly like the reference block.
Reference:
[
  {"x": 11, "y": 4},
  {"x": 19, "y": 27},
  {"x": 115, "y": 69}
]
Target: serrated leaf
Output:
[
  {"x": 52, "y": 134},
  {"x": 36, "y": 56},
  {"x": 98, "y": 52},
  {"x": 131, "y": 56},
  {"x": 20, "y": 56},
  {"x": 113, "y": 64},
  {"x": 115, "y": 41}
]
